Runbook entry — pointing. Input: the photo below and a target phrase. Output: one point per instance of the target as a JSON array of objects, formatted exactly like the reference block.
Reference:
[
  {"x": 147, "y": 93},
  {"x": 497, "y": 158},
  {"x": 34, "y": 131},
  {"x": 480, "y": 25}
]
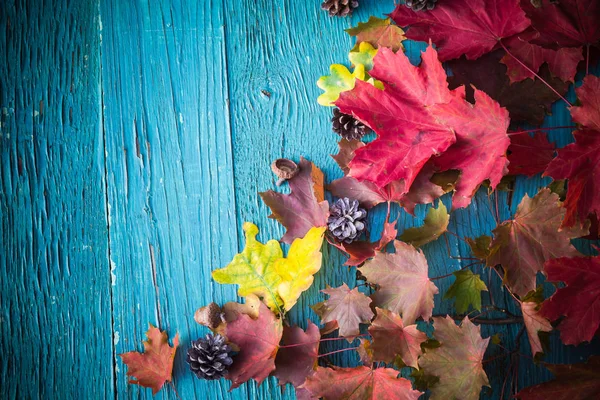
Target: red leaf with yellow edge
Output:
[
  {"x": 258, "y": 341},
  {"x": 153, "y": 367},
  {"x": 469, "y": 27},
  {"x": 391, "y": 338},
  {"x": 360, "y": 383},
  {"x": 579, "y": 301}
]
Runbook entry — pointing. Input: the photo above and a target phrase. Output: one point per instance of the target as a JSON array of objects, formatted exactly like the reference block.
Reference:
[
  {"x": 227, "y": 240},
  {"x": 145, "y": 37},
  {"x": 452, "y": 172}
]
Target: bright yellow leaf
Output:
[
  {"x": 303, "y": 261},
  {"x": 254, "y": 269}
]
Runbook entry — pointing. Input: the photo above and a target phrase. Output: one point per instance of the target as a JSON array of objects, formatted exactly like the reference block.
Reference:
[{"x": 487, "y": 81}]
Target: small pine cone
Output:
[
  {"x": 347, "y": 126},
  {"x": 346, "y": 220},
  {"x": 210, "y": 357},
  {"x": 420, "y": 5},
  {"x": 339, "y": 8}
]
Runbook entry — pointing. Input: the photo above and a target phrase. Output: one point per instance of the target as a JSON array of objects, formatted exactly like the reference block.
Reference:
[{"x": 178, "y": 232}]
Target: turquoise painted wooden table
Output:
[{"x": 134, "y": 137}]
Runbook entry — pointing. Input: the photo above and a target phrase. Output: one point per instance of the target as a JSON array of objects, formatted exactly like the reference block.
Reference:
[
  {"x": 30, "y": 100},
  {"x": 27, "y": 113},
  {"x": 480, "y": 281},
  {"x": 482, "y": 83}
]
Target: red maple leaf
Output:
[
  {"x": 302, "y": 209},
  {"x": 153, "y": 367},
  {"x": 562, "y": 62},
  {"x": 529, "y": 155},
  {"x": 417, "y": 117},
  {"x": 469, "y": 27},
  {"x": 579, "y": 301},
  {"x": 297, "y": 358},
  {"x": 588, "y": 114},
  {"x": 579, "y": 381},
  {"x": 408, "y": 133},
  {"x": 579, "y": 162},
  {"x": 360, "y": 383},
  {"x": 349, "y": 308},
  {"x": 258, "y": 341},
  {"x": 564, "y": 23}
]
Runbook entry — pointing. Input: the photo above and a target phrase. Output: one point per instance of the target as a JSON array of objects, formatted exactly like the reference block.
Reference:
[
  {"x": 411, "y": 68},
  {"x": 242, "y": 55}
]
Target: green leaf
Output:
[
  {"x": 422, "y": 381},
  {"x": 436, "y": 223},
  {"x": 535, "y": 296},
  {"x": 340, "y": 80},
  {"x": 363, "y": 56},
  {"x": 379, "y": 33},
  {"x": 466, "y": 289},
  {"x": 480, "y": 247}
]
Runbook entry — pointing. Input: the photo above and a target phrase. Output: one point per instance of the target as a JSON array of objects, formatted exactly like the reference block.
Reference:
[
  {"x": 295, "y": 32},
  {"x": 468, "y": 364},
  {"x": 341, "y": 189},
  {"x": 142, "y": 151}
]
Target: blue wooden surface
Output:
[{"x": 134, "y": 137}]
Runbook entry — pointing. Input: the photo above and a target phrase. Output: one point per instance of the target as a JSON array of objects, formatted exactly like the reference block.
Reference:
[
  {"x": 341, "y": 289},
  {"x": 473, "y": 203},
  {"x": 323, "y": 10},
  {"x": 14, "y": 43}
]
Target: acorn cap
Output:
[
  {"x": 209, "y": 316},
  {"x": 284, "y": 169}
]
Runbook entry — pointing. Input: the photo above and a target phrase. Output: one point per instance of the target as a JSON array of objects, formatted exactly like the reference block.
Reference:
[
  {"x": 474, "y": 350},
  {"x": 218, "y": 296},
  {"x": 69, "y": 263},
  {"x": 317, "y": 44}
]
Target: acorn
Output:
[{"x": 284, "y": 169}]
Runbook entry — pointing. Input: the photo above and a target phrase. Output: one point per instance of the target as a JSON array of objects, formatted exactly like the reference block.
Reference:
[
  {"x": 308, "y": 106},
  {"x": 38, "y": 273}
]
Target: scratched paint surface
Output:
[{"x": 134, "y": 137}]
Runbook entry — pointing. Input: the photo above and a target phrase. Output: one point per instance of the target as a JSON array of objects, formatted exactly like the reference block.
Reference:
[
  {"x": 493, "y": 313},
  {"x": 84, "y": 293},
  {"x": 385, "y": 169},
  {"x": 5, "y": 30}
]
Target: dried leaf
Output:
[
  {"x": 153, "y": 367},
  {"x": 379, "y": 33}
]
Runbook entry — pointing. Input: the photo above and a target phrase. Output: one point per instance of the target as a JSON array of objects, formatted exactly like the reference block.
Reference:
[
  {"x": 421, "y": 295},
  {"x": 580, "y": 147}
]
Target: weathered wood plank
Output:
[
  {"x": 55, "y": 318},
  {"x": 169, "y": 168}
]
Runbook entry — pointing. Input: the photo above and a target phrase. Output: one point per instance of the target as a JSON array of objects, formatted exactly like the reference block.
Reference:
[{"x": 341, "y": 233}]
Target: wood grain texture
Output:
[
  {"x": 134, "y": 138},
  {"x": 55, "y": 321}
]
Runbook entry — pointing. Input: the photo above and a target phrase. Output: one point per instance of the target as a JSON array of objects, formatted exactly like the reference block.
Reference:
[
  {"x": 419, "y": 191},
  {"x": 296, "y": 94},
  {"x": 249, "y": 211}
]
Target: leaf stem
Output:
[
  {"x": 587, "y": 59},
  {"x": 452, "y": 273},
  {"x": 174, "y": 389},
  {"x": 488, "y": 321},
  {"x": 534, "y": 73},
  {"x": 542, "y": 129},
  {"x": 317, "y": 341},
  {"x": 337, "y": 351}
]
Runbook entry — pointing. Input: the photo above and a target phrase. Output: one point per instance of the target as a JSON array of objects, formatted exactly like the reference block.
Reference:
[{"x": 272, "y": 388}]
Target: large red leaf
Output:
[
  {"x": 407, "y": 130},
  {"x": 571, "y": 382},
  {"x": 360, "y": 383},
  {"x": 481, "y": 143},
  {"x": 417, "y": 117},
  {"x": 579, "y": 301},
  {"x": 258, "y": 341},
  {"x": 521, "y": 245},
  {"x": 529, "y": 155},
  {"x": 579, "y": 162},
  {"x": 302, "y": 209},
  {"x": 297, "y": 358},
  {"x": 561, "y": 62},
  {"x": 528, "y": 100},
  {"x": 588, "y": 114},
  {"x": 154, "y": 366},
  {"x": 564, "y": 23},
  {"x": 469, "y": 27}
]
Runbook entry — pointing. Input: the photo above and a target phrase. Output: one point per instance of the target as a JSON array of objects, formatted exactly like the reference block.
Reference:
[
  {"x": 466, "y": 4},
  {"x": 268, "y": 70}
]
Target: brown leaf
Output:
[
  {"x": 258, "y": 341},
  {"x": 348, "y": 307},
  {"x": 391, "y": 338},
  {"x": 153, "y": 367},
  {"x": 305, "y": 207},
  {"x": 523, "y": 244},
  {"x": 294, "y": 364}
]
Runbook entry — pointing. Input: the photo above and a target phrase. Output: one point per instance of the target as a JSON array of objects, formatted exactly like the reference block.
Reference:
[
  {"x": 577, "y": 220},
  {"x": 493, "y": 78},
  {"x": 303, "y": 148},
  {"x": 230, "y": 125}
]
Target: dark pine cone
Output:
[
  {"x": 340, "y": 8},
  {"x": 209, "y": 357},
  {"x": 420, "y": 5},
  {"x": 347, "y": 126},
  {"x": 346, "y": 220}
]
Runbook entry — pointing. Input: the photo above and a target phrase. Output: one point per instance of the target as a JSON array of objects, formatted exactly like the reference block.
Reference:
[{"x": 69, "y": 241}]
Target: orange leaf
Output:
[{"x": 154, "y": 366}]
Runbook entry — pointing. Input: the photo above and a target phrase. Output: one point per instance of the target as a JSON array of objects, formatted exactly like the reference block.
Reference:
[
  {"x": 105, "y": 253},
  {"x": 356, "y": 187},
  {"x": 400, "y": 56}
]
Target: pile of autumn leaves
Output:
[{"x": 430, "y": 140}]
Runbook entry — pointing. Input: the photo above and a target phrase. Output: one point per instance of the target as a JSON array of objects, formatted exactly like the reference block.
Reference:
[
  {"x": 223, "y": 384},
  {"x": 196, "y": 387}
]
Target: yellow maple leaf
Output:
[
  {"x": 303, "y": 261},
  {"x": 261, "y": 270},
  {"x": 254, "y": 269}
]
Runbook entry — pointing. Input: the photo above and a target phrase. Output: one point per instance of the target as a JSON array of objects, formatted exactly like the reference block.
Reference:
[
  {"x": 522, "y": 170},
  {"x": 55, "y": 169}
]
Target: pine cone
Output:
[
  {"x": 340, "y": 8},
  {"x": 346, "y": 220},
  {"x": 420, "y": 5},
  {"x": 347, "y": 126},
  {"x": 209, "y": 358}
]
